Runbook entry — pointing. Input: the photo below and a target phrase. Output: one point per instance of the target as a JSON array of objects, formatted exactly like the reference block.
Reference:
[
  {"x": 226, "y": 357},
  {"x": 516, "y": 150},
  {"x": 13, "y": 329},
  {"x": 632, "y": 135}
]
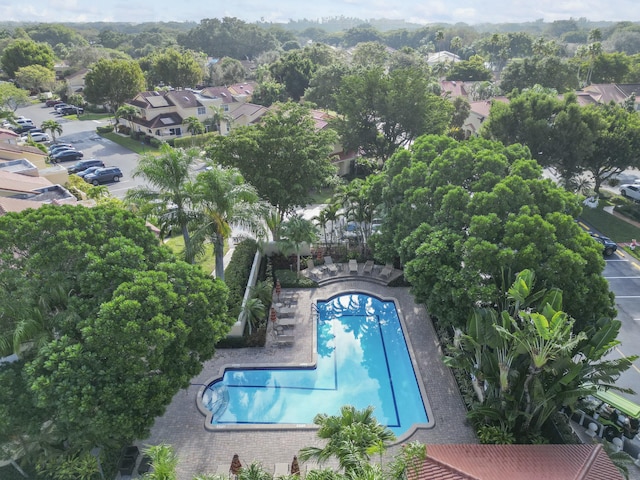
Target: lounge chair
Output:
[
  {"x": 285, "y": 312},
  {"x": 281, "y": 470},
  {"x": 386, "y": 271},
  {"x": 368, "y": 267},
  {"x": 314, "y": 272},
  {"x": 332, "y": 267},
  {"x": 353, "y": 266},
  {"x": 282, "y": 339}
]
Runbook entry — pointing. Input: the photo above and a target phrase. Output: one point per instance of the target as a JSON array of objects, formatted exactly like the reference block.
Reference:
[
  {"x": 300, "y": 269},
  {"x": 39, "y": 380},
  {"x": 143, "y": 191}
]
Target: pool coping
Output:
[{"x": 208, "y": 414}]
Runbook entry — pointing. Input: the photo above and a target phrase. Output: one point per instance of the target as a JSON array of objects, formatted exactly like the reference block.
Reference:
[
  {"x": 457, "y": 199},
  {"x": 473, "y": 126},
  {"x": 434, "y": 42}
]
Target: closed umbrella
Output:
[
  {"x": 236, "y": 466},
  {"x": 278, "y": 289},
  {"x": 295, "y": 466},
  {"x": 274, "y": 315}
]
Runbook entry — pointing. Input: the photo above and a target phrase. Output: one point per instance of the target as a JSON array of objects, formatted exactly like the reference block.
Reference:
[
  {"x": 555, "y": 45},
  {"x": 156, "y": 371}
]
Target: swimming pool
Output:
[{"x": 362, "y": 360}]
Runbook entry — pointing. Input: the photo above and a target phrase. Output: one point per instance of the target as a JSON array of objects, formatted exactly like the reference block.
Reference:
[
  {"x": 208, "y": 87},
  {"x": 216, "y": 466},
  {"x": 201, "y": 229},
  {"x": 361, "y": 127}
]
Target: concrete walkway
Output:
[{"x": 201, "y": 451}]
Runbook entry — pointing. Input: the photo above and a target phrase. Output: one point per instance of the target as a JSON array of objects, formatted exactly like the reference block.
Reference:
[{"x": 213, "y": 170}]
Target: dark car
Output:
[
  {"x": 88, "y": 171},
  {"x": 84, "y": 164},
  {"x": 608, "y": 245},
  {"x": 60, "y": 106},
  {"x": 70, "y": 110},
  {"x": 52, "y": 103},
  {"x": 66, "y": 156},
  {"x": 104, "y": 175},
  {"x": 23, "y": 128}
]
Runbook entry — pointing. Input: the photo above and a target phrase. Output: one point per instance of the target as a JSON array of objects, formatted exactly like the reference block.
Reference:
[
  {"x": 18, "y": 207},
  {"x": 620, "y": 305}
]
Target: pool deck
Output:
[{"x": 201, "y": 451}]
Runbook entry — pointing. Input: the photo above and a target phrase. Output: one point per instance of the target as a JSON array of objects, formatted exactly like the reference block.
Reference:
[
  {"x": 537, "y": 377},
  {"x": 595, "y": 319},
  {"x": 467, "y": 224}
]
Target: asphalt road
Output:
[
  {"x": 82, "y": 134},
  {"x": 623, "y": 274}
]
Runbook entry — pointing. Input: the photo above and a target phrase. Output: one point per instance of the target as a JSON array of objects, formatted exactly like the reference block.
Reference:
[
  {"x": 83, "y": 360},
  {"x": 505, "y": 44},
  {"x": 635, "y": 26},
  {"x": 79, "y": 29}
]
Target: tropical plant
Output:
[
  {"x": 217, "y": 118},
  {"x": 295, "y": 232},
  {"x": 222, "y": 198},
  {"x": 193, "y": 125},
  {"x": 525, "y": 361},
  {"x": 128, "y": 112},
  {"x": 53, "y": 127},
  {"x": 349, "y": 436},
  {"x": 254, "y": 472},
  {"x": 171, "y": 189},
  {"x": 163, "y": 462},
  {"x": 253, "y": 311}
]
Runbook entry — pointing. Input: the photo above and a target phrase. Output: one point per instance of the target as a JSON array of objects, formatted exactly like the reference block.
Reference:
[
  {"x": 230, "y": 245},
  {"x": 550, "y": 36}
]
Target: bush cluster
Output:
[
  {"x": 236, "y": 275},
  {"x": 194, "y": 140},
  {"x": 105, "y": 129}
]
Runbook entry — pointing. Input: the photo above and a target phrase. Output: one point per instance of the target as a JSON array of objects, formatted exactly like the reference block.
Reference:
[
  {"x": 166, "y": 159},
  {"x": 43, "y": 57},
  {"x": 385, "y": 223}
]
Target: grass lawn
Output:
[
  {"x": 206, "y": 261},
  {"x": 129, "y": 143},
  {"x": 91, "y": 116},
  {"x": 616, "y": 229}
]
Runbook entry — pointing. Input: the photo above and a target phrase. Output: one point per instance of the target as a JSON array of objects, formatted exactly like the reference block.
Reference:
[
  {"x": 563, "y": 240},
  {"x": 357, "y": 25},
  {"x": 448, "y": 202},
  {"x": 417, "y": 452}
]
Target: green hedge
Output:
[
  {"x": 105, "y": 129},
  {"x": 236, "y": 275},
  {"x": 194, "y": 140}
]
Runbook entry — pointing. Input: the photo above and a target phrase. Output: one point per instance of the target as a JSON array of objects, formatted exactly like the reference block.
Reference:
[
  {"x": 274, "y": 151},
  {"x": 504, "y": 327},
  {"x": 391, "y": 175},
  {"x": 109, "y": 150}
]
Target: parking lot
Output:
[{"x": 82, "y": 135}]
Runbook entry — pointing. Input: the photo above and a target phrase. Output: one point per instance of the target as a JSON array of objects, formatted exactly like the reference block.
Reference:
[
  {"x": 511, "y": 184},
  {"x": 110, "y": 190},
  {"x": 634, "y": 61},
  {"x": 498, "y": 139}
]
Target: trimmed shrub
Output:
[
  {"x": 289, "y": 279},
  {"x": 236, "y": 275},
  {"x": 105, "y": 129},
  {"x": 155, "y": 142},
  {"x": 194, "y": 140}
]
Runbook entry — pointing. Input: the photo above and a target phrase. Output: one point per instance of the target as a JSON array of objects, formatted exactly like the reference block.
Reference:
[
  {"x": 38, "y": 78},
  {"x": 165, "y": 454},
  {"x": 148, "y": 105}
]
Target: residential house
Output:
[
  {"x": 442, "y": 57},
  {"x": 609, "y": 92},
  {"x": 453, "y": 88},
  {"x": 343, "y": 160},
  {"x": 515, "y": 462},
  {"x": 19, "y": 192},
  {"x": 161, "y": 115},
  {"x": 31, "y": 161},
  {"x": 478, "y": 114},
  {"x": 75, "y": 81}
]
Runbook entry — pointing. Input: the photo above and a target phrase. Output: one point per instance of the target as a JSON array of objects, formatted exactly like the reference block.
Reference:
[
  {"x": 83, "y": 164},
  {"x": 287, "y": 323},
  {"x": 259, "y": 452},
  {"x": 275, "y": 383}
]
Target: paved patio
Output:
[{"x": 202, "y": 451}]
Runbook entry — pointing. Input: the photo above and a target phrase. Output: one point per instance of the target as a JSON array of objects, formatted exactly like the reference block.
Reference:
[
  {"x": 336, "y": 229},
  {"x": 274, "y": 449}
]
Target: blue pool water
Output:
[{"x": 362, "y": 360}]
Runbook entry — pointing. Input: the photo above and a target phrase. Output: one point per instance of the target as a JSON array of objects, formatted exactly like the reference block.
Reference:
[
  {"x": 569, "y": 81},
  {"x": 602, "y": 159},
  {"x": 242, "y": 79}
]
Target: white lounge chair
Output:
[
  {"x": 281, "y": 470},
  {"x": 282, "y": 338},
  {"x": 368, "y": 267},
  {"x": 332, "y": 267},
  {"x": 386, "y": 271},
  {"x": 314, "y": 272},
  {"x": 353, "y": 266}
]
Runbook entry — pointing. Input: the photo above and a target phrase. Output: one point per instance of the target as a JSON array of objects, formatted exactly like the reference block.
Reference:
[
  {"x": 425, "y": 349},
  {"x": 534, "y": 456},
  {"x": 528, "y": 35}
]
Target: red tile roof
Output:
[{"x": 516, "y": 462}]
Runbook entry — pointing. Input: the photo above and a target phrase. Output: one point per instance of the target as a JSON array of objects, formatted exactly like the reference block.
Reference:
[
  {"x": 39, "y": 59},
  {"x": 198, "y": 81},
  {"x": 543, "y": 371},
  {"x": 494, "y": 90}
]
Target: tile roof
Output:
[
  {"x": 15, "y": 182},
  {"x": 516, "y": 462},
  {"x": 162, "y": 120},
  {"x": 454, "y": 88},
  {"x": 10, "y": 147},
  {"x": 223, "y": 93}
]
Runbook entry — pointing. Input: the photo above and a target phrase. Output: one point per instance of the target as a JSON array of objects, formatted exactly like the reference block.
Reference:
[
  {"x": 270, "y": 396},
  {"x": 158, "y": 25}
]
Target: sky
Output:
[{"x": 416, "y": 11}]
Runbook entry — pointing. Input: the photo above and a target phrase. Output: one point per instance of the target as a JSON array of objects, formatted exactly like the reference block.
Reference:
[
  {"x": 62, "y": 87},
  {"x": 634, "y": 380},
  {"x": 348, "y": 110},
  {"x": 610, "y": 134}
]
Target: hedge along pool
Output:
[{"x": 362, "y": 360}]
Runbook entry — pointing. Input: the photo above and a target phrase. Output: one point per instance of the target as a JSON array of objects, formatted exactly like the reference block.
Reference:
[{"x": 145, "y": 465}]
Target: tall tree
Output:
[
  {"x": 35, "y": 77},
  {"x": 12, "y": 97},
  {"x": 224, "y": 200},
  {"x": 162, "y": 318},
  {"x": 296, "y": 231},
  {"x": 382, "y": 112},
  {"x": 170, "y": 187},
  {"x": 22, "y": 53},
  {"x": 112, "y": 82},
  {"x": 175, "y": 68},
  {"x": 284, "y": 156}
]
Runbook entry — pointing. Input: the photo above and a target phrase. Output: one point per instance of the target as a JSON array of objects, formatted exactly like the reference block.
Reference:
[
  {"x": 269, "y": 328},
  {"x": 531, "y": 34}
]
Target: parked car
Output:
[
  {"x": 36, "y": 136},
  {"x": 104, "y": 175},
  {"x": 84, "y": 164},
  {"x": 24, "y": 121},
  {"x": 52, "y": 103},
  {"x": 70, "y": 110},
  {"x": 608, "y": 245},
  {"x": 60, "y": 150},
  {"x": 60, "y": 105},
  {"x": 86, "y": 172},
  {"x": 20, "y": 129},
  {"x": 58, "y": 146},
  {"x": 66, "y": 156},
  {"x": 630, "y": 191}
]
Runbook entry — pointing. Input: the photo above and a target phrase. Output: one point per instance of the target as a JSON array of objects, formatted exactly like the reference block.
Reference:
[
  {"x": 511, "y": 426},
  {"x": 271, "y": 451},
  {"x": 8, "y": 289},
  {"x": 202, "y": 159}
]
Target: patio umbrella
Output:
[
  {"x": 274, "y": 315},
  {"x": 295, "y": 466},
  {"x": 278, "y": 289},
  {"x": 235, "y": 465}
]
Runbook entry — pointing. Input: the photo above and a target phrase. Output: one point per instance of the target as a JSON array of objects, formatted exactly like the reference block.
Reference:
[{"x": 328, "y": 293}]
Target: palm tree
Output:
[
  {"x": 52, "y": 126},
  {"x": 193, "y": 125},
  {"x": 217, "y": 117},
  {"x": 168, "y": 175},
  {"x": 128, "y": 112},
  {"x": 350, "y": 437},
  {"x": 295, "y": 232},
  {"x": 224, "y": 199},
  {"x": 252, "y": 312}
]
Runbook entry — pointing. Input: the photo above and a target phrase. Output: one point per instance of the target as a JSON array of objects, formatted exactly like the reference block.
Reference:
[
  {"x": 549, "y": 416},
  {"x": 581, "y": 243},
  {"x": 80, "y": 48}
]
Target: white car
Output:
[
  {"x": 37, "y": 137},
  {"x": 24, "y": 121},
  {"x": 630, "y": 191}
]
